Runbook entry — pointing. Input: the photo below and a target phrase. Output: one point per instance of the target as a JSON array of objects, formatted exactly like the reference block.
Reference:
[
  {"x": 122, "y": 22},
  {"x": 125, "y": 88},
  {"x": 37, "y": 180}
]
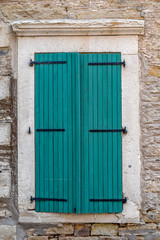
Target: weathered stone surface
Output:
[
  {"x": 53, "y": 238},
  {"x": 152, "y": 226},
  {"x": 64, "y": 229},
  {"x": 104, "y": 229},
  {"x": 78, "y": 238},
  {"x": 82, "y": 230},
  {"x": 7, "y": 232},
  {"x": 5, "y": 183},
  {"x": 154, "y": 71},
  {"x": 4, "y": 213},
  {"x": 38, "y": 238},
  {"x": 5, "y": 129},
  {"x": 4, "y": 87},
  {"x": 4, "y": 33},
  {"x": 112, "y": 238}
]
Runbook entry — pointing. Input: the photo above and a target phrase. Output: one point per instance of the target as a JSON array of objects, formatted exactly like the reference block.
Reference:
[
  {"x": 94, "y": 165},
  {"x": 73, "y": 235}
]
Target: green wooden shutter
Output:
[
  {"x": 100, "y": 152},
  {"x": 56, "y": 88},
  {"x": 78, "y": 165}
]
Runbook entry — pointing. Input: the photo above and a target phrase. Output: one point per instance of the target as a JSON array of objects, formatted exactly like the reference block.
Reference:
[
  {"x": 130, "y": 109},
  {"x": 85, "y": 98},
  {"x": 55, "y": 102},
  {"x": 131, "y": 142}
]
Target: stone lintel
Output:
[{"x": 65, "y": 27}]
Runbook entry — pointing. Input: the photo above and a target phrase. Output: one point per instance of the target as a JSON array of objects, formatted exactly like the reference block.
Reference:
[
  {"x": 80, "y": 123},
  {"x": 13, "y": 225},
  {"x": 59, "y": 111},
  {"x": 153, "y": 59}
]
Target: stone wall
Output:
[{"x": 149, "y": 55}]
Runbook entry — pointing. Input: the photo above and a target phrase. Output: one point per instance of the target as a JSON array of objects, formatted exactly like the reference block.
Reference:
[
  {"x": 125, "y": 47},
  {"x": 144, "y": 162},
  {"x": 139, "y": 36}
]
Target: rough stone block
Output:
[
  {"x": 5, "y": 129},
  {"x": 4, "y": 87},
  {"x": 4, "y": 33},
  {"x": 154, "y": 71},
  {"x": 7, "y": 232},
  {"x": 78, "y": 238},
  {"x": 5, "y": 183},
  {"x": 104, "y": 229},
  {"x": 64, "y": 229},
  {"x": 112, "y": 238},
  {"x": 82, "y": 230},
  {"x": 38, "y": 238},
  {"x": 4, "y": 213}
]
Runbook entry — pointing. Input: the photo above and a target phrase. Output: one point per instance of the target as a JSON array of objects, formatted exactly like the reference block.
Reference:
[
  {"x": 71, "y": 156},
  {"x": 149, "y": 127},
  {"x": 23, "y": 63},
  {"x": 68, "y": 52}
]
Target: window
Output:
[
  {"x": 89, "y": 36},
  {"x": 78, "y": 163}
]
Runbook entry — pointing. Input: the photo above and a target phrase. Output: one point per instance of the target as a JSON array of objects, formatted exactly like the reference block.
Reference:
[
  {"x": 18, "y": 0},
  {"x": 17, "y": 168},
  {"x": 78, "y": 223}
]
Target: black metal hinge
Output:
[
  {"x": 123, "y": 200},
  {"x": 50, "y": 130},
  {"x": 124, "y": 130},
  {"x": 108, "y": 63},
  {"x": 47, "y": 199},
  {"x": 31, "y": 63}
]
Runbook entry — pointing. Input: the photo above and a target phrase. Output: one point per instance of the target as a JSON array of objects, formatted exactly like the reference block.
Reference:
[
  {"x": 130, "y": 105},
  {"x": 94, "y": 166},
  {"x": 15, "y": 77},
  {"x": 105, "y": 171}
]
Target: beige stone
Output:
[
  {"x": 5, "y": 213},
  {"x": 104, "y": 229},
  {"x": 82, "y": 230},
  {"x": 38, "y": 238},
  {"x": 64, "y": 229},
  {"x": 154, "y": 71},
  {"x": 4, "y": 33},
  {"x": 4, "y": 87},
  {"x": 112, "y": 238},
  {"x": 7, "y": 232},
  {"x": 32, "y": 11},
  {"x": 5, "y": 129},
  {"x": 78, "y": 238},
  {"x": 151, "y": 226},
  {"x": 5, "y": 183},
  {"x": 68, "y": 27}
]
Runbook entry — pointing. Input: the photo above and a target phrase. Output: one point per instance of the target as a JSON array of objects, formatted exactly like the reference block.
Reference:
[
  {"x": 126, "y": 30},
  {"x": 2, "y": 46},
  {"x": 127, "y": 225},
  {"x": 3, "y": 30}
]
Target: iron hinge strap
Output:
[
  {"x": 47, "y": 199},
  {"x": 107, "y": 63},
  {"x": 124, "y": 130},
  {"x": 50, "y": 130},
  {"x": 123, "y": 200},
  {"x": 31, "y": 63}
]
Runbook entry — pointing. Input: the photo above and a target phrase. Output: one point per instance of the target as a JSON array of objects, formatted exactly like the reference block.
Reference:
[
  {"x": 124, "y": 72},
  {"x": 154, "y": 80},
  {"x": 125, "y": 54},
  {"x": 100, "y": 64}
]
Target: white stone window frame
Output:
[{"x": 79, "y": 36}]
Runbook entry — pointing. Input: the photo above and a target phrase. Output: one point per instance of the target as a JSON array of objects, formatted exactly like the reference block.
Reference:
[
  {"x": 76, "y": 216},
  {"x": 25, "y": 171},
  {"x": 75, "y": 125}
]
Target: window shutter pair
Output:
[{"x": 78, "y": 163}]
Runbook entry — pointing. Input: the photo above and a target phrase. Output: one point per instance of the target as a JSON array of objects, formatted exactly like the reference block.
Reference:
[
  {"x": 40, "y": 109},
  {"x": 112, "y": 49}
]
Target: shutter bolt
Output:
[{"x": 29, "y": 130}]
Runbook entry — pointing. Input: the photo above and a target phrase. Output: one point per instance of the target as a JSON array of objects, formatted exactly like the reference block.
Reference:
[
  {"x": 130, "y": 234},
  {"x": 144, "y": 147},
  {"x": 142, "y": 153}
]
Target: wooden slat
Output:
[
  {"x": 50, "y": 134},
  {"x": 91, "y": 119},
  {"x": 119, "y": 139},
  {"x": 37, "y": 142},
  {"x": 70, "y": 132}
]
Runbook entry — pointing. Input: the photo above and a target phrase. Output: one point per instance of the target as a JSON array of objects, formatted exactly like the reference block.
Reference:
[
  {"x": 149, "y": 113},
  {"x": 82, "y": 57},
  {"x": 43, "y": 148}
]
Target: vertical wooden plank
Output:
[
  {"x": 100, "y": 119},
  {"x": 95, "y": 135},
  {"x": 114, "y": 100},
  {"x": 119, "y": 138},
  {"x": 65, "y": 142},
  {"x": 41, "y": 125},
  {"x": 78, "y": 103},
  {"x": 91, "y": 119},
  {"x": 74, "y": 129},
  {"x": 60, "y": 146},
  {"x": 50, "y": 134},
  {"x": 37, "y": 136},
  {"x": 46, "y": 153},
  {"x": 56, "y": 175},
  {"x": 105, "y": 126},
  {"x": 82, "y": 134},
  {"x": 70, "y": 132},
  {"x": 110, "y": 121},
  {"x": 85, "y": 134}
]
